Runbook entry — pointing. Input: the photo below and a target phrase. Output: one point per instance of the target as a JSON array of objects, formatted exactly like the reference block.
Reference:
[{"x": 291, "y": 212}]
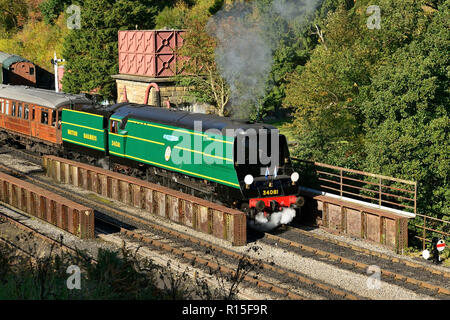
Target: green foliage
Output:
[
  {"x": 407, "y": 116},
  {"x": 92, "y": 53},
  {"x": 173, "y": 17},
  {"x": 294, "y": 41},
  {"x": 378, "y": 100},
  {"x": 325, "y": 95},
  {"x": 37, "y": 41},
  {"x": 217, "y": 5},
  {"x": 13, "y": 14},
  {"x": 51, "y": 9},
  {"x": 116, "y": 275}
]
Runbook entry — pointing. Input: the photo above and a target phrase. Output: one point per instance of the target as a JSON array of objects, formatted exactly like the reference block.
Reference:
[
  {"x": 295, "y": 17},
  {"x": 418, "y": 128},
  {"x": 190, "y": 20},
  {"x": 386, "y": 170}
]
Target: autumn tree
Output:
[
  {"x": 13, "y": 14},
  {"x": 37, "y": 41}
]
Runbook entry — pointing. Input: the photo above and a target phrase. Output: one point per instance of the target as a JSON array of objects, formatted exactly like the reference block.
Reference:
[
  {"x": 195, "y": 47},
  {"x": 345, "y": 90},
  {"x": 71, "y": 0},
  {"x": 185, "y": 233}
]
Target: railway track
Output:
[
  {"x": 373, "y": 253},
  {"x": 363, "y": 267},
  {"x": 107, "y": 210},
  {"x": 337, "y": 292},
  {"x": 195, "y": 259},
  {"x": 217, "y": 249},
  {"x": 24, "y": 154},
  {"x": 22, "y": 226}
]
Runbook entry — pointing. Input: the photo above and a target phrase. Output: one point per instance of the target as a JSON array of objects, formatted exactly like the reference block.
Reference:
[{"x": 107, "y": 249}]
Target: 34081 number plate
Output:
[{"x": 271, "y": 192}]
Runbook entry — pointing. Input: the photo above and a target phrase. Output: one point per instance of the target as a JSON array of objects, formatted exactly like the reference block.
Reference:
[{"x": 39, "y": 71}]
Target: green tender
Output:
[
  {"x": 201, "y": 155},
  {"x": 84, "y": 129}
]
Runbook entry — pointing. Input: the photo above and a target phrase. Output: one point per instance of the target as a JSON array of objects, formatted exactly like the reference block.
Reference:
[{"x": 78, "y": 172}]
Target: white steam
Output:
[
  {"x": 276, "y": 219},
  {"x": 247, "y": 37},
  {"x": 294, "y": 10}
]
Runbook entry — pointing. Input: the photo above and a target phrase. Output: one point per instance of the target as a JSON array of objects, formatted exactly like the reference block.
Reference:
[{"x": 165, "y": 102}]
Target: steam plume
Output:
[
  {"x": 245, "y": 36},
  {"x": 276, "y": 219}
]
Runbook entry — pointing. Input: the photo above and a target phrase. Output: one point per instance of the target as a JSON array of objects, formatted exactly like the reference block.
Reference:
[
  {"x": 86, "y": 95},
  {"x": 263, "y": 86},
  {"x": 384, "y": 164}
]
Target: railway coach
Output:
[{"x": 32, "y": 117}]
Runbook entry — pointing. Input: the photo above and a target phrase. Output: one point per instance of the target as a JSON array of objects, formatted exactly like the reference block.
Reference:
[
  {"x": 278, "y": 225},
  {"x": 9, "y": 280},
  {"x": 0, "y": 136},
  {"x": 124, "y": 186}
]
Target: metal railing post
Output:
[
  {"x": 424, "y": 231},
  {"x": 379, "y": 191},
  {"x": 415, "y": 198}
]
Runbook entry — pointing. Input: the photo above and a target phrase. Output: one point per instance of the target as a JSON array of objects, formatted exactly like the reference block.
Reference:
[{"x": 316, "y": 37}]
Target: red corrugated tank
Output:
[{"x": 150, "y": 52}]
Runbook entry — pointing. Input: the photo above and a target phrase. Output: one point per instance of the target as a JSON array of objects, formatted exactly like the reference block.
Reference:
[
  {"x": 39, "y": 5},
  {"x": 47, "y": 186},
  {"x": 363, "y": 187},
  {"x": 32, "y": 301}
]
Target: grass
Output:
[{"x": 117, "y": 275}]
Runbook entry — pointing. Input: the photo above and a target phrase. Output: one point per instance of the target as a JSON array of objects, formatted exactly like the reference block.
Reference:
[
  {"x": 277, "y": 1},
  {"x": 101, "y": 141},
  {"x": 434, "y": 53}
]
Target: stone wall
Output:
[
  {"x": 178, "y": 96},
  {"x": 136, "y": 92}
]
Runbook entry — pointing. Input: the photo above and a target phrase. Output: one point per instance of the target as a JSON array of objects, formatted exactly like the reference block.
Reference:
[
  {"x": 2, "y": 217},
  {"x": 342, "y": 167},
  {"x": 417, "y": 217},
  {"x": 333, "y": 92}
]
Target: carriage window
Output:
[
  {"x": 19, "y": 111},
  {"x": 13, "y": 113},
  {"x": 31, "y": 71},
  {"x": 59, "y": 118},
  {"x": 32, "y": 114},
  {"x": 114, "y": 126},
  {"x": 44, "y": 117},
  {"x": 7, "y": 107},
  {"x": 2, "y": 103},
  {"x": 54, "y": 118},
  {"x": 26, "y": 113}
]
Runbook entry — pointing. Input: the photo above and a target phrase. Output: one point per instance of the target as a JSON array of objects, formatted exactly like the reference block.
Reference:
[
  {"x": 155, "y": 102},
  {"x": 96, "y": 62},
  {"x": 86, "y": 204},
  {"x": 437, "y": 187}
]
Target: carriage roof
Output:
[
  {"x": 42, "y": 97},
  {"x": 6, "y": 59}
]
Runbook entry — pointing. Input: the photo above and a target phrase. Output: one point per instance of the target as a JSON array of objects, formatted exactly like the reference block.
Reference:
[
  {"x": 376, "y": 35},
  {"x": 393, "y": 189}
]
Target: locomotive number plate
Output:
[{"x": 270, "y": 192}]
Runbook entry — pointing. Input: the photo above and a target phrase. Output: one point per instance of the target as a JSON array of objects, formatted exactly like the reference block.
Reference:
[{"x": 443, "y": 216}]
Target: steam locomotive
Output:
[{"x": 237, "y": 163}]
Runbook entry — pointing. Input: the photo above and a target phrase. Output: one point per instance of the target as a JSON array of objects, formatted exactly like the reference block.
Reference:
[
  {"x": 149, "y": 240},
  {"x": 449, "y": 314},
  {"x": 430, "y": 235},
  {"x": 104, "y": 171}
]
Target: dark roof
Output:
[
  {"x": 6, "y": 59},
  {"x": 42, "y": 97},
  {"x": 184, "y": 119},
  {"x": 103, "y": 110}
]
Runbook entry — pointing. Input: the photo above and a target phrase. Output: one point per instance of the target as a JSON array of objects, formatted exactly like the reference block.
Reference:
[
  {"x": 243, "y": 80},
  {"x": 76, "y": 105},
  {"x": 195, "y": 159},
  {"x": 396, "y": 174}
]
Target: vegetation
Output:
[
  {"x": 205, "y": 81},
  {"x": 92, "y": 52},
  {"x": 114, "y": 275},
  {"x": 378, "y": 99}
]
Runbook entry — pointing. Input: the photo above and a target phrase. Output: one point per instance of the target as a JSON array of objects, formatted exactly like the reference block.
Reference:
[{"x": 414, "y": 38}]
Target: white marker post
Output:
[
  {"x": 440, "y": 246},
  {"x": 55, "y": 62}
]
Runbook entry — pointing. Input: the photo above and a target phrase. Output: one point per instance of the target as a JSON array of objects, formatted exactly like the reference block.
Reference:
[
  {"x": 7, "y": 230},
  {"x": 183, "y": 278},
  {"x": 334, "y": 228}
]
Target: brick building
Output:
[{"x": 17, "y": 70}]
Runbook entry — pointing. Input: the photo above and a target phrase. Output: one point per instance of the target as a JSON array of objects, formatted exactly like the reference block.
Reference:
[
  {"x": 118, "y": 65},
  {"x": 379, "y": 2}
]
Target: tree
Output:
[
  {"x": 173, "y": 17},
  {"x": 326, "y": 93},
  {"x": 13, "y": 14},
  {"x": 51, "y": 9},
  {"x": 407, "y": 116},
  {"x": 204, "y": 80},
  {"x": 91, "y": 53}
]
